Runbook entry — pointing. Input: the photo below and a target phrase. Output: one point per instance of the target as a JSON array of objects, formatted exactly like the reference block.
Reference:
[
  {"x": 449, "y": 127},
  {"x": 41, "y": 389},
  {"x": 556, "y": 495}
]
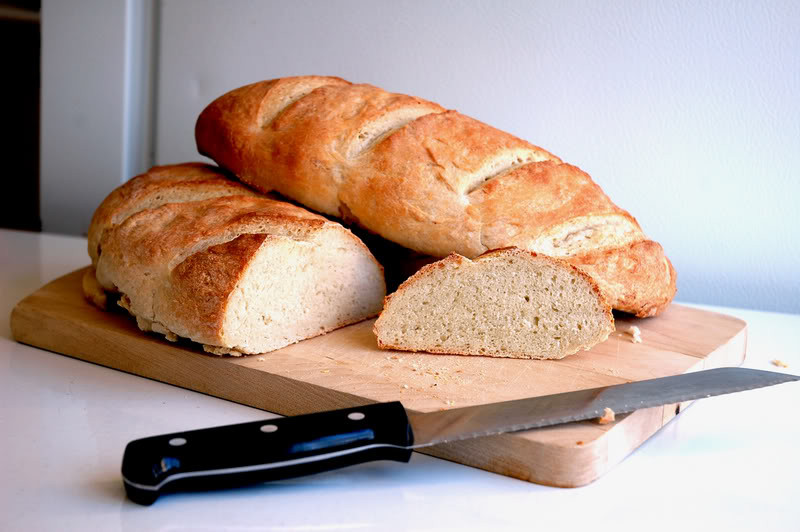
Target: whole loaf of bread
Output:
[{"x": 429, "y": 179}]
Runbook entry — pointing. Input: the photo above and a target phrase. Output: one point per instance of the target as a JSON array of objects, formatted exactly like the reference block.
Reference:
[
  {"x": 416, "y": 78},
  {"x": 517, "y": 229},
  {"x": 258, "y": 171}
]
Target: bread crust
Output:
[
  {"x": 199, "y": 287},
  {"x": 156, "y": 187},
  {"x": 431, "y": 180},
  {"x": 639, "y": 274}
]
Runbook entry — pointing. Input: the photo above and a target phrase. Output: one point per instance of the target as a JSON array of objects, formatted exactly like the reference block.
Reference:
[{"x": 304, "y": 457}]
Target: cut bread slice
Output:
[{"x": 505, "y": 303}]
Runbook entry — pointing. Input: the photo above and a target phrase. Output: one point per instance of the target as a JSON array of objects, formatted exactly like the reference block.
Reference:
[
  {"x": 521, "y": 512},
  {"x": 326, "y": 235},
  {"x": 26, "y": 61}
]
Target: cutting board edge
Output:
[
  {"x": 606, "y": 451},
  {"x": 600, "y": 451}
]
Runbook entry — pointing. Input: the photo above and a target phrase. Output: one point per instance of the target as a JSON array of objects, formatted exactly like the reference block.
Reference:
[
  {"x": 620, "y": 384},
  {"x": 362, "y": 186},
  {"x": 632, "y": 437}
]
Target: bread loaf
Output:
[
  {"x": 505, "y": 303},
  {"x": 429, "y": 179},
  {"x": 236, "y": 272}
]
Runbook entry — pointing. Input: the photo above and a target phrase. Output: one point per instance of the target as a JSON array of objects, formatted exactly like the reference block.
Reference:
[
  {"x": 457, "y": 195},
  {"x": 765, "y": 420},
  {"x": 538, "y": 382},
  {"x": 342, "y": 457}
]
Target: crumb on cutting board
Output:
[
  {"x": 635, "y": 333},
  {"x": 607, "y": 417}
]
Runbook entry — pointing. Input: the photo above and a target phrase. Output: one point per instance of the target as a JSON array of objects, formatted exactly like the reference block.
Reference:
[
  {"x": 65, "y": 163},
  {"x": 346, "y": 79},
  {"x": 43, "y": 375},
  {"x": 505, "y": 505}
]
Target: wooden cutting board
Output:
[{"x": 345, "y": 368}]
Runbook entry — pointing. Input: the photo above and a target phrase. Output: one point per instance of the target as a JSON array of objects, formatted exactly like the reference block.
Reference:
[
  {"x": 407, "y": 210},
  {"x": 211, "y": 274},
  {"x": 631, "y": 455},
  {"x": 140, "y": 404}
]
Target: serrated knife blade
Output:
[{"x": 433, "y": 428}]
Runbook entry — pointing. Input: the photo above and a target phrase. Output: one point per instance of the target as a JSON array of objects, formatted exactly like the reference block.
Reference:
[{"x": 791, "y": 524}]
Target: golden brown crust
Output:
[
  {"x": 431, "y": 180},
  {"x": 156, "y": 187},
  {"x": 415, "y": 187},
  {"x": 639, "y": 275},
  {"x": 519, "y": 207},
  {"x": 199, "y": 287},
  {"x": 239, "y": 120},
  {"x": 159, "y": 239}
]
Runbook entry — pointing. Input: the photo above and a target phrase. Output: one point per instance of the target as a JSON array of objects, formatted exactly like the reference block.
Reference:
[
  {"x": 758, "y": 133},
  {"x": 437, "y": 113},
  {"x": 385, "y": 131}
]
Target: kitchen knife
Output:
[{"x": 259, "y": 451}]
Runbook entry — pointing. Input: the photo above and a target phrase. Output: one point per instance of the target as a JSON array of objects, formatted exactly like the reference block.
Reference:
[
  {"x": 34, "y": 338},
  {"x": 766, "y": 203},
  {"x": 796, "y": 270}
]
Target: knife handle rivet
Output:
[
  {"x": 177, "y": 442},
  {"x": 355, "y": 416},
  {"x": 269, "y": 428}
]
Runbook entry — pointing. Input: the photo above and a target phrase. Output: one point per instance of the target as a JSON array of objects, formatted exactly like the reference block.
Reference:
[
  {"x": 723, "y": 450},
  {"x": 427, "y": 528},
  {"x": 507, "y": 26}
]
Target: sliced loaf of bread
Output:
[
  {"x": 240, "y": 274},
  {"x": 505, "y": 303}
]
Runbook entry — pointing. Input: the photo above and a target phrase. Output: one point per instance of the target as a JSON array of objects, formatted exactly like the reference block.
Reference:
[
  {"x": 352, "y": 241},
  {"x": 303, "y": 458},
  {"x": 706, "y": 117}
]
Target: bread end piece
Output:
[
  {"x": 506, "y": 303},
  {"x": 638, "y": 278}
]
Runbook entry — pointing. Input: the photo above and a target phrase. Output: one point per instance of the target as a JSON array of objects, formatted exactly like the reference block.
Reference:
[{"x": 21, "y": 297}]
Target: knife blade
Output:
[{"x": 301, "y": 445}]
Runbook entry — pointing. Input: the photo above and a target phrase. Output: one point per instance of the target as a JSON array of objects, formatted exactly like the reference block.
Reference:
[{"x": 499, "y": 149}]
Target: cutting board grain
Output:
[{"x": 345, "y": 368}]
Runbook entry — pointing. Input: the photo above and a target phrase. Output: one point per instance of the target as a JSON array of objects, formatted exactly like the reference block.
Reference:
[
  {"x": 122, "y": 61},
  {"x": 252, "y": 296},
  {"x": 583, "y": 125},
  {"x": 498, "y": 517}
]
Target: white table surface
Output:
[{"x": 726, "y": 463}]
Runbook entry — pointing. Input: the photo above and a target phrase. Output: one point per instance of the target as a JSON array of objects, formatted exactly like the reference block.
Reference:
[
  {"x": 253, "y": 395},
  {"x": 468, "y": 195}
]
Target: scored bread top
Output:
[
  {"x": 160, "y": 185},
  {"x": 429, "y": 179}
]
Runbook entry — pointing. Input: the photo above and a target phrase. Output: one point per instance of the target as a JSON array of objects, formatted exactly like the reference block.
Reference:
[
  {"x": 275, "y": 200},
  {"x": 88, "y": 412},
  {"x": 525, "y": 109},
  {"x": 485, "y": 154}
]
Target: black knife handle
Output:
[{"x": 235, "y": 455}]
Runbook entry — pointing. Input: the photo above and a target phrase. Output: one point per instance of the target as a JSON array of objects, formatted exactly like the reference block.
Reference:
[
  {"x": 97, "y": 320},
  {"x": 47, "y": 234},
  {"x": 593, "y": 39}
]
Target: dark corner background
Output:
[{"x": 20, "y": 42}]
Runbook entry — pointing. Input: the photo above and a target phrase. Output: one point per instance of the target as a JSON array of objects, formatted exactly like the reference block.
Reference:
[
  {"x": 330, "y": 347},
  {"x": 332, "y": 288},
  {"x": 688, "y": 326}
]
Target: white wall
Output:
[
  {"x": 81, "y": 123},
  {"x": 95, "y": 104},
  {"x": 686, "y": 113}
]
